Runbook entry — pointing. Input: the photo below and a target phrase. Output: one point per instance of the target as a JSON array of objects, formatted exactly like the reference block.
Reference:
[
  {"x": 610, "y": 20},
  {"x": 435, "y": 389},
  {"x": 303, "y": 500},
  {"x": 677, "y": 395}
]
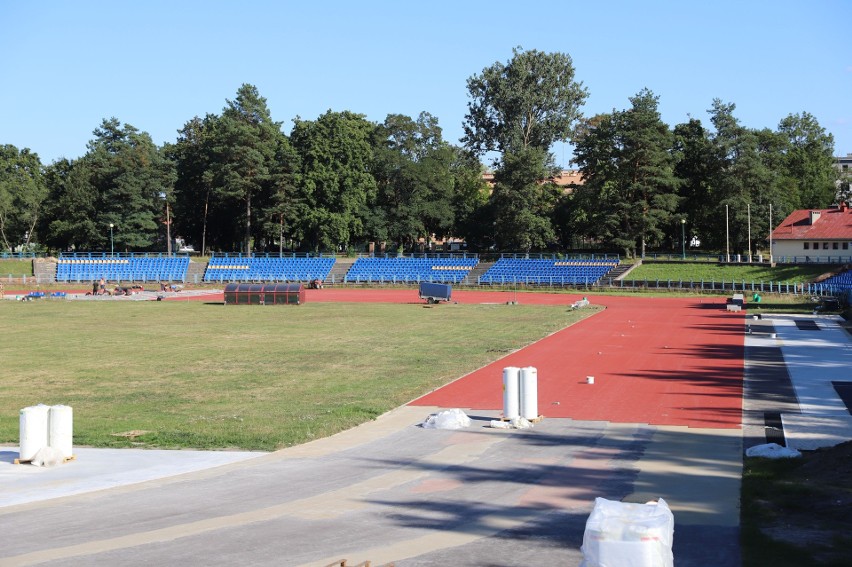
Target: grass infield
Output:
[{"x": 196, "y": 375}]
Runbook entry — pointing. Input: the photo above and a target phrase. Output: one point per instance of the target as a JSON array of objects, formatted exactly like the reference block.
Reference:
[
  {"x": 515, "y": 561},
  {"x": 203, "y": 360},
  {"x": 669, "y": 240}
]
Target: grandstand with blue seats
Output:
[
  {"x": 449, "y": 269},
  {"x": 540, "y": 271},
  {"x": 267, "y": 269},
  {"x": 121, "y": 268},
  {"x": 839, "y": 282}
]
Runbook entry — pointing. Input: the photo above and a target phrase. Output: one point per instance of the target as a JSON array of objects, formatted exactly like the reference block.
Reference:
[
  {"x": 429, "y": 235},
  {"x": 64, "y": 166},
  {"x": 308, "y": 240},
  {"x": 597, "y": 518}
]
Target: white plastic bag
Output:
[
  {"x": 447, "y": 419},
  {"x": 48, "y": 457},
  {"x": 772, "y": 451},
  {"x": 622, "y": 534},
  {"x": 514, "y": 423}
]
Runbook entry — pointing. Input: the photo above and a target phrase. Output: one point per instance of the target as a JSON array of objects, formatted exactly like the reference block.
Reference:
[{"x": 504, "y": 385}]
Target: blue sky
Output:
[{"x": 66, "y": 65}]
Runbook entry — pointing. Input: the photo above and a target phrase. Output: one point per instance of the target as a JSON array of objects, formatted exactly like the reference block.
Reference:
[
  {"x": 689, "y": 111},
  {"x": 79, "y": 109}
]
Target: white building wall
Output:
[{"x": 793, "y": 251}]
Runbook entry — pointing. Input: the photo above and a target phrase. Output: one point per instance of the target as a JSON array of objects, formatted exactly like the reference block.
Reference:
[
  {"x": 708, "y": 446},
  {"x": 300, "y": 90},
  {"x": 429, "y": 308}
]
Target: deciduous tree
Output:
[
  {"x": 336, "y": 183},
  {"x": 519, "y": 110},
  {"x": 808, "y": 160},
  {"x": 22, "y": 192}
]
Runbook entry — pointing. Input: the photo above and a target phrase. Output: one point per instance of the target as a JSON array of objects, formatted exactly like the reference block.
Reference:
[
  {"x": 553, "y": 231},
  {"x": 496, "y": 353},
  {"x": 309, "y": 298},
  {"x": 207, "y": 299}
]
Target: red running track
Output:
[{"x": 660, "y": 361}]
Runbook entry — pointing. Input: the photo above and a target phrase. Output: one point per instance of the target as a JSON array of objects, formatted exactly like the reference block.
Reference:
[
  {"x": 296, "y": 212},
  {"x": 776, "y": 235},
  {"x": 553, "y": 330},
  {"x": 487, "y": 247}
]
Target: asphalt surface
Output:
[{"x": 391, "y": 491}]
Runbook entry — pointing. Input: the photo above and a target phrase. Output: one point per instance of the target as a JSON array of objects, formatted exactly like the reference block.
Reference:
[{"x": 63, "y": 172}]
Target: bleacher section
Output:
[
  {"x": 267, "y": 269},
  {"x": 86, "y": 268},
  {"x": 392, "y": 270},
  {"x": 547, "y": 271},
  {"x": 840, "y": 282}
]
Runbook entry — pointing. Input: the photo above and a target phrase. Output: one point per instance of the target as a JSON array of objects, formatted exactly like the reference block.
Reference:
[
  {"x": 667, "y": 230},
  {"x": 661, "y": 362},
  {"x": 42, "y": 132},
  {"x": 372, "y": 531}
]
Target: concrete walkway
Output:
[{"x": 391, "y": 491}]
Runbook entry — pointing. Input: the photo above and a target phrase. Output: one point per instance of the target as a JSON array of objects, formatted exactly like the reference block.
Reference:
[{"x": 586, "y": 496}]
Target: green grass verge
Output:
[
  {"x": 701, "y": 271},
  {"x": 190, "y": 374},
  {"x": 16, "y": 268}
]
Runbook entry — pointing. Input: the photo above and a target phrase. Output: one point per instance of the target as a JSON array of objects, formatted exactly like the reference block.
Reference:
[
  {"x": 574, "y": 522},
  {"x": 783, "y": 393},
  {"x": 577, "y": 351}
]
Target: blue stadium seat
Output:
[{"x": 411, "y": 270}]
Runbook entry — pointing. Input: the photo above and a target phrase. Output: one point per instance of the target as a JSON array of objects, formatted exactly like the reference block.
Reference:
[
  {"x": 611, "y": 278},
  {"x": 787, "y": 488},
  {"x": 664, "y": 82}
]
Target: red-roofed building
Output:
[{"x": 814, "y": 235}]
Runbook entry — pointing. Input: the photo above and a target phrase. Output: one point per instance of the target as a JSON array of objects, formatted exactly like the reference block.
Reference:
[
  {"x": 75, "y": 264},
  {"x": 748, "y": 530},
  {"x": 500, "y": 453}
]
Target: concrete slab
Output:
[
  {"x": 815, "y": 354},
  {"x": 810, "y": 432},
  {"x": 99, "y": 469}
]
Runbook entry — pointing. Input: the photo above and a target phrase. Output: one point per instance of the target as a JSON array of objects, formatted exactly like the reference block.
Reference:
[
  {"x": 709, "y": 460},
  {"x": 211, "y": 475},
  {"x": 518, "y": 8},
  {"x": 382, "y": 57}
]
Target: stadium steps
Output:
[
  {"x": 195, "y": 272},
  {"x": 44, "y": 270},
  {"x": 621, "y": 270},
  {"x": 338, "y": 271},
  {"x": 472, "y": 277}
]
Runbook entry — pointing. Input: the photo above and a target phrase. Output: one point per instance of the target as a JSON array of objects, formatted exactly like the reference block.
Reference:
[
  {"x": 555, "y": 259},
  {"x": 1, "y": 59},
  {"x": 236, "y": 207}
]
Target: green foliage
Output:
[
  {"x": 520, "y": 109},
  {"x": 236, "y": 181},
  {"x": 71, "y": 208},
  {"x": 807, "y": 159},
  {"x": 630, "y": 190},
  {"x": 193, "y": 191},
  {"x": 337, "y": 186},
  {"x": 22, "y": 193},
  {"x": 531, "y": 101},
  {"x": 522, "y": 203},
  {"x": 744, "y": 181},
  {"x": 413, "y": 171},
  {"x": 694, "y": 166},
  {"x": 246, "y": 142},
  {"x": 122, "y": 180}
]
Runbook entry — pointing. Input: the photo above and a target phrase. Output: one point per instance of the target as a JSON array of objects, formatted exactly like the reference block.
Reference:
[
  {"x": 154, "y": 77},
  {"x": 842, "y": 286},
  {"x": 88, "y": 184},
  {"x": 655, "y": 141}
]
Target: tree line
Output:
[{"x": 235, "y": 181}]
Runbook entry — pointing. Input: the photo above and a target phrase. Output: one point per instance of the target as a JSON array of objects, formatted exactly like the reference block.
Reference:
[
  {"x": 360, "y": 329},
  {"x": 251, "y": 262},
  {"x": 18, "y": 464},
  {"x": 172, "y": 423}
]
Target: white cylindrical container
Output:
[
  {"x": 590, "y": 379},
  {"x": 33, "y": 423},
  {"x": 529, "y": 392},
  {"x": 61, "y": 430},
  {"x": 511, "y": 392}
]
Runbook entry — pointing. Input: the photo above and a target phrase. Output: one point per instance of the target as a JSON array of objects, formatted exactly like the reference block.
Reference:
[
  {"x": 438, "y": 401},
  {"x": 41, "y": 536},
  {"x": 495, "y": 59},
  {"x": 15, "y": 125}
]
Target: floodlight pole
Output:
[
  {"x": 770, "y": 234},
  {"x": 111, "y": 245},
  {"x": 748, "y": 211},
  {"x": 727, "y": 237},
  {"x": 683, "y": 239}
]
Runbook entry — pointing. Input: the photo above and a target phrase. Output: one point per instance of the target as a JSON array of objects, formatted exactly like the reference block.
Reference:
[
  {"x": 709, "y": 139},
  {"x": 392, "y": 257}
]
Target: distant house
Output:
[
  {"x": 815, "y": 235},
  {"x": 566, "y": 179},
  {"x": 844, "y": 164}
]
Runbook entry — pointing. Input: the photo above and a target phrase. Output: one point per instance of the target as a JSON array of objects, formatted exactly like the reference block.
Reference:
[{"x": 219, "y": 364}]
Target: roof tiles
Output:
[{"x": 832, "y": 224}]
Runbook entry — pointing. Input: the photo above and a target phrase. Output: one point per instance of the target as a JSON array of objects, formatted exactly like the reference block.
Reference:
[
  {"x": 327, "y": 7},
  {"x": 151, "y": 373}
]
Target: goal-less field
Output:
[{"x": 189, "y": 374}]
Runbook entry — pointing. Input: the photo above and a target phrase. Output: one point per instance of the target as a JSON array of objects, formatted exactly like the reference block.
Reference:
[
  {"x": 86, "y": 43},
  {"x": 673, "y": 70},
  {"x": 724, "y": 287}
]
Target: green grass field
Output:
[
  {"x": 190, "y": 374},
  {"x": 707, "y": 272}
]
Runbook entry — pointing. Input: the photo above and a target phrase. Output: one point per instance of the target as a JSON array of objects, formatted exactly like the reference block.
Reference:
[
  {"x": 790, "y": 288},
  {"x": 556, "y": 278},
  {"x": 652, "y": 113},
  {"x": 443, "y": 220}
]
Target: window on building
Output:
[
  {"x": 825, "y": 245},
  {"x": 834, "y": 246},
  {"x": 816, "y": 245},
  {"x": 846, "y": 246},
  {"x": 807, "y": 245}
]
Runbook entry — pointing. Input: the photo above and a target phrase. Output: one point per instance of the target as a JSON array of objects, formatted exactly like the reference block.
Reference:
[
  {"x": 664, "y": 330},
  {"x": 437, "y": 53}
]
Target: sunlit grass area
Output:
[
  {"x": 707, "y": 272},
  {"x": 190, "y": 374}
]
